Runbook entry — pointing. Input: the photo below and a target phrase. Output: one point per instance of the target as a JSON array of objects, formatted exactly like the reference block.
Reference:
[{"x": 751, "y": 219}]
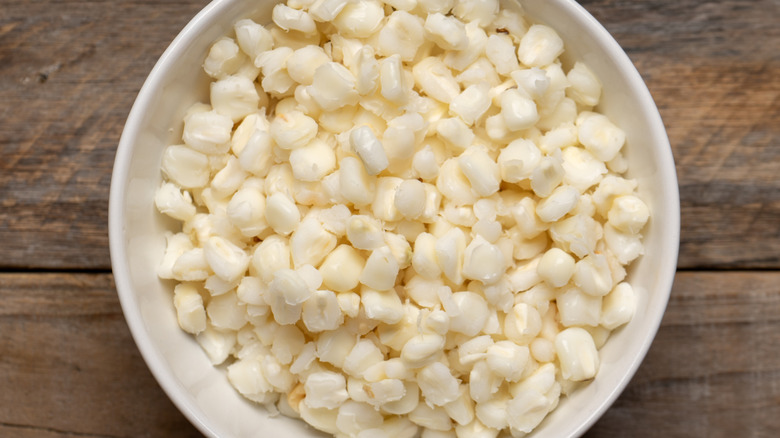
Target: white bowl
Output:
[{"x": 137, "y": 241}]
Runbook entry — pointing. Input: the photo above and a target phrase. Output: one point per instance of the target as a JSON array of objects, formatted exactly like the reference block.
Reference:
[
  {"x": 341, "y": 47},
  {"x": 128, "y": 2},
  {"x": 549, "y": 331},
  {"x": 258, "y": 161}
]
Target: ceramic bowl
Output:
[{"x": 137, "y": 241}]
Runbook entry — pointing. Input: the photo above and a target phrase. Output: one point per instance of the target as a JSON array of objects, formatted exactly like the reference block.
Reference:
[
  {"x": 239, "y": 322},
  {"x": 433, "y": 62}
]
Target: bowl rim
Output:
[{"x": 163, "y": 374}]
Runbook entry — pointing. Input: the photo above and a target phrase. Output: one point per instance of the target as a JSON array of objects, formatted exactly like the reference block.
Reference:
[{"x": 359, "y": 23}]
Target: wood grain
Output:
[
  {"x": 69, "y": 366},
  {"x": 70, "y": 71}
]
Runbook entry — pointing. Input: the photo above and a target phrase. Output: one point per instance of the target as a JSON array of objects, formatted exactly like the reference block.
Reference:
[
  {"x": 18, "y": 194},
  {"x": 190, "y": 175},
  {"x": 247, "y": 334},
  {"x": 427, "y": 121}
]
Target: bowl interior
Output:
[{"x": 137, "y": 232}]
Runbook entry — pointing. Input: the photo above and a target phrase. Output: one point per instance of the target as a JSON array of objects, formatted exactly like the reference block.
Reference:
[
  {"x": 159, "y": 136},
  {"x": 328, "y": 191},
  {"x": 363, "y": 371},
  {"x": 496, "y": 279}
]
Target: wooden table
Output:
[{"x": 69, "y": 71}]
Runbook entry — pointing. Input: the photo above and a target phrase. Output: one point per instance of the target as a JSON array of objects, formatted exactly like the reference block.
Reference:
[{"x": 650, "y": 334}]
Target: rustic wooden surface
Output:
[{"x": 69, "y": 71}]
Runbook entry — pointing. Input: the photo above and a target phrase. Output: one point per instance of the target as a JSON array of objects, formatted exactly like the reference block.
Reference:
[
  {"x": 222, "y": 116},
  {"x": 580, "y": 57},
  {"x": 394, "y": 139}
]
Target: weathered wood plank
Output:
[
  {"x": 69, "y": 74},
  {"x": 70, "y": 368}
]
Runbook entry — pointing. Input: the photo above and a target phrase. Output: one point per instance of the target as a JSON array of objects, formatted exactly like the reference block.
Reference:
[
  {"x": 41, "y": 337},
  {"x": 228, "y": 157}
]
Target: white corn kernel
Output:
[
  {"x": 454, "y": 185},
  {"x": 189, "y": 308},
  {"x": 459, "y": 60},
  {"x": 256, "y": 156},
  {"x": 481, "y": 170},
  {"x": 560, "y": 202},
  {"x": 556, "y": 267},
  {"x": 577, "y": 234},
  {"x": 369, "y": 149},
  {"x": 618, "y": 306},
  {"x": 482, "y": 382},
  {"x": 366, "y": 71},
  {"x": 628, "y": 214},
  {"x": 507, "y": 360},
  {"x": 533, "y": 81},
  {"x": 250, "y": 291},
  {"x": 253, "y": 38},
  {"x": 472, "y": 103},
  {"x": 281, "y": 213},
  {"x": 225, "y": 312},
  {"x": 391, "y": 79},
  {"x": 455, "y": 132},
  {"x": 409, "y": 198},
  {"x": 313, "y": 161},
  {"x": 434, "y": 418},
  {"x": 577, "y": 354},
  {"x": 176, "y": 245},
  {"x": 384, "y": 305},
  {"x": 383, "y": 392},
  {"x": 546, "y": 176},
  {"x": 434, "y": 6},
  {"x": 321, "y": 312},
  {"x": 272, "y": 63},
  {"x": 435, "y": 79},
  {"x": 175, "y": 203},
  {"x": 234, "y": 97},
  {"x": 288, "y": 18},
  {"x": 246, "y": 210},
  {"x": 450, "y": 249},
  {"x": 334, "y": 346},
  {"x": 471, "y": 314},
  {"x": 626, "y": 247},
  {"x": 539, "y": 46},
  {"x": 422, "y": 349},
  {"x": 354, "y": 417},
  {"x": 228, "y": 179},
  {"x": 424, "y": 257},
  {"x": 437, "y": 384},
  {"x": 381, "y": 269},
  {"x": 365, "y": 232},
  {"x": 217, "y": 344},
  {"x": 228, "y": 261},
  {"x": 523, "y": 324},
  {"x": 310, "y": 242},
  {"x": 326, "y": 10},
  {"x": 333, "y": 87},
  {"x": 578, "y": 308},
  {"x": 483, "y": 261},
  {"x": 303, "y": 62},
  {"x": 325, "y": 389},
  {"x": 474, "y": 349},
  {"x": 492, "y": 413},
  {"x": 405, "y": 404},
  {"x": 293, "y": 130},
  {"x": 585, "y": 87},
  {"x": 599, "y": 135},
  {"x": 400, "y": 248},
  {"x": 271, "y": 255},
  {"x": 207, "y": 132},
  {"x": 355, "y": 184},
  {"x": 383, "y": 207},
  {"x": 320, "y": 418},
  {"x": 582, "y": 169},
  {"x": 247, "y": 377},
  {"x": 519, "y": 111},
  {"x": 360, "y": 19},
  {"x": 500, "y": 50},
  {"x": 402, "y": 34},
  {"x": 290, "y": 286},
  {"x": 518, "y": 159},
  {"x": 481, "y": 11},
  {"x": 186, "y": 167},
  {"x": 341, "y": 269},
  {"x": 223, "y": 59},
  {"x": 362, "y": 356},
  {"x": 447, "y": 32},
  {"x": 593, "y": 275}
]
